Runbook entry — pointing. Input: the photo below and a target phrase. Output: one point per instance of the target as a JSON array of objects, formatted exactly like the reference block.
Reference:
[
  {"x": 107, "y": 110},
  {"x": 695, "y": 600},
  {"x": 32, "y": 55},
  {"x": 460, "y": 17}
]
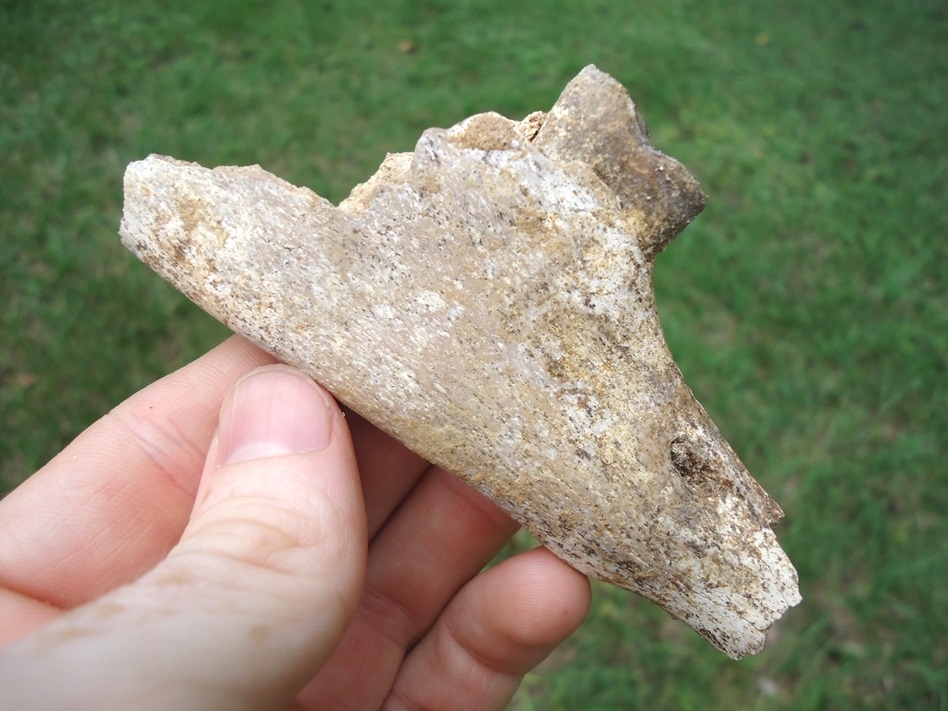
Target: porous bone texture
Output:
[{"x": 487, "y": 299}]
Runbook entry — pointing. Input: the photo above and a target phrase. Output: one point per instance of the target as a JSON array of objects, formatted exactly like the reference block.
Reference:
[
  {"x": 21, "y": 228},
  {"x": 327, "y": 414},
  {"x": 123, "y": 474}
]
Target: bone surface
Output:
[{"x": 488, "y": 300}]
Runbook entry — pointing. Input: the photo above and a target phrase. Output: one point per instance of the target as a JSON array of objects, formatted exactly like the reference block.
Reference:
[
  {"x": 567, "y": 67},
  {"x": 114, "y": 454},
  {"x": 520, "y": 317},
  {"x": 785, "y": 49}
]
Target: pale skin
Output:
[{"x": 229, "y": 538}]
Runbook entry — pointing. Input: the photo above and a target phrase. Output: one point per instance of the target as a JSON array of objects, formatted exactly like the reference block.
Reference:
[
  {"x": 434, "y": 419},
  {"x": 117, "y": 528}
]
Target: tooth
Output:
[{"x": 488, "y": 301}]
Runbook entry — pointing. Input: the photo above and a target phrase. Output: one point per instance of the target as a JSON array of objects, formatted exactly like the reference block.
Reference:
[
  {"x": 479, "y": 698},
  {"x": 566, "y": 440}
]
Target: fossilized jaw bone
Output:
[{"x": 488, "y": 300}]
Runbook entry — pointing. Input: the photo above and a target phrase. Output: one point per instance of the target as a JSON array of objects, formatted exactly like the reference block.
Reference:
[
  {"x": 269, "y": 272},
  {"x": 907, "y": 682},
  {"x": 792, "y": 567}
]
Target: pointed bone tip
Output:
[
  {"x": 594, "y": 73},
  {"x": 609, "y": 90},
  {"x": 596, "y": 122},
  {"x": 610, "y": 94}
]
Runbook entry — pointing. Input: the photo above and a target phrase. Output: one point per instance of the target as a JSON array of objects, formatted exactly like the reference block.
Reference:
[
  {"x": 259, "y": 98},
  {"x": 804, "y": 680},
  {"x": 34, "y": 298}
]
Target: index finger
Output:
[{"x": 113, "y": 503}]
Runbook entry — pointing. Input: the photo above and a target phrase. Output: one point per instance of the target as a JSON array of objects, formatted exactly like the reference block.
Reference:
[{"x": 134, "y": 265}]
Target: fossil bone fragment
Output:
[{"x": 488, "y": 300}]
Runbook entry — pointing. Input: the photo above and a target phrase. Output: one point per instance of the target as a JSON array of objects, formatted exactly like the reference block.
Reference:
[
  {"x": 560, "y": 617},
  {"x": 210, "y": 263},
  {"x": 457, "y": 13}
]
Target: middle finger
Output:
[
  {"x": 438, "y": 539},
  {"x": 388, "y": 469}
]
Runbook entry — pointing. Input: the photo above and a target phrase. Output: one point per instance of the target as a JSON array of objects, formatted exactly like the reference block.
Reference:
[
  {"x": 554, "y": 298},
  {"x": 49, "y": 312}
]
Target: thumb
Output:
[{"x": 256, "y": 594}]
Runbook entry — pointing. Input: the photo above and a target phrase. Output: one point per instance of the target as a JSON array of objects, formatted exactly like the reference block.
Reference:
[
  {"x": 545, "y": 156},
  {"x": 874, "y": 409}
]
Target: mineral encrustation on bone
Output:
[{"x": 487, "y": 299}]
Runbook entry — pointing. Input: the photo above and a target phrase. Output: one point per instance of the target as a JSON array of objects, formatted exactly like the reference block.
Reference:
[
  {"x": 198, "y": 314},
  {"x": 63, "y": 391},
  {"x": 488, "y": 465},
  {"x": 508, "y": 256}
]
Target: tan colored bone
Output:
[{"x": 488, "y": 300}]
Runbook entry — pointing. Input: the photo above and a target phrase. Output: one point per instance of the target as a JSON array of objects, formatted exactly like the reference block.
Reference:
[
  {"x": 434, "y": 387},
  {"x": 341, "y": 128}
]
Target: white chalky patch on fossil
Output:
[{"x": 488, "y": 301}]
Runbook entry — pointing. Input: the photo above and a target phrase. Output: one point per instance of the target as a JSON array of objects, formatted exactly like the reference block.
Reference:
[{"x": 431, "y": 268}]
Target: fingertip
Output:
[
  {"x": 499, "y": 627},
  {"x": 552, "y": 598},
  {"x": 272, "y": 411},
  {"x": 282, "y": 461}
]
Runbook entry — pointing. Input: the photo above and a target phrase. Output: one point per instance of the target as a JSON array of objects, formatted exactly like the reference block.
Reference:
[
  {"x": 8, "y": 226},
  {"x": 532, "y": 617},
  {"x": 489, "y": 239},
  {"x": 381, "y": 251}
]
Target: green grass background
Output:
[{"x": 807, "y": 307}]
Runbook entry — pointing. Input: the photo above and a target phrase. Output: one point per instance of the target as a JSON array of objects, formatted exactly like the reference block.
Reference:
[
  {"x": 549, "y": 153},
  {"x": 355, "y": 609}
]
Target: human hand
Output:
[{"x": 277, "y": 562}]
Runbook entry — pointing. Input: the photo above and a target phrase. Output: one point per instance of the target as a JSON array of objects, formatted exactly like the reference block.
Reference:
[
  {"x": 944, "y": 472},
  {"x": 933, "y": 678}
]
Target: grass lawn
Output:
[{"x": 807, "y": 307}]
